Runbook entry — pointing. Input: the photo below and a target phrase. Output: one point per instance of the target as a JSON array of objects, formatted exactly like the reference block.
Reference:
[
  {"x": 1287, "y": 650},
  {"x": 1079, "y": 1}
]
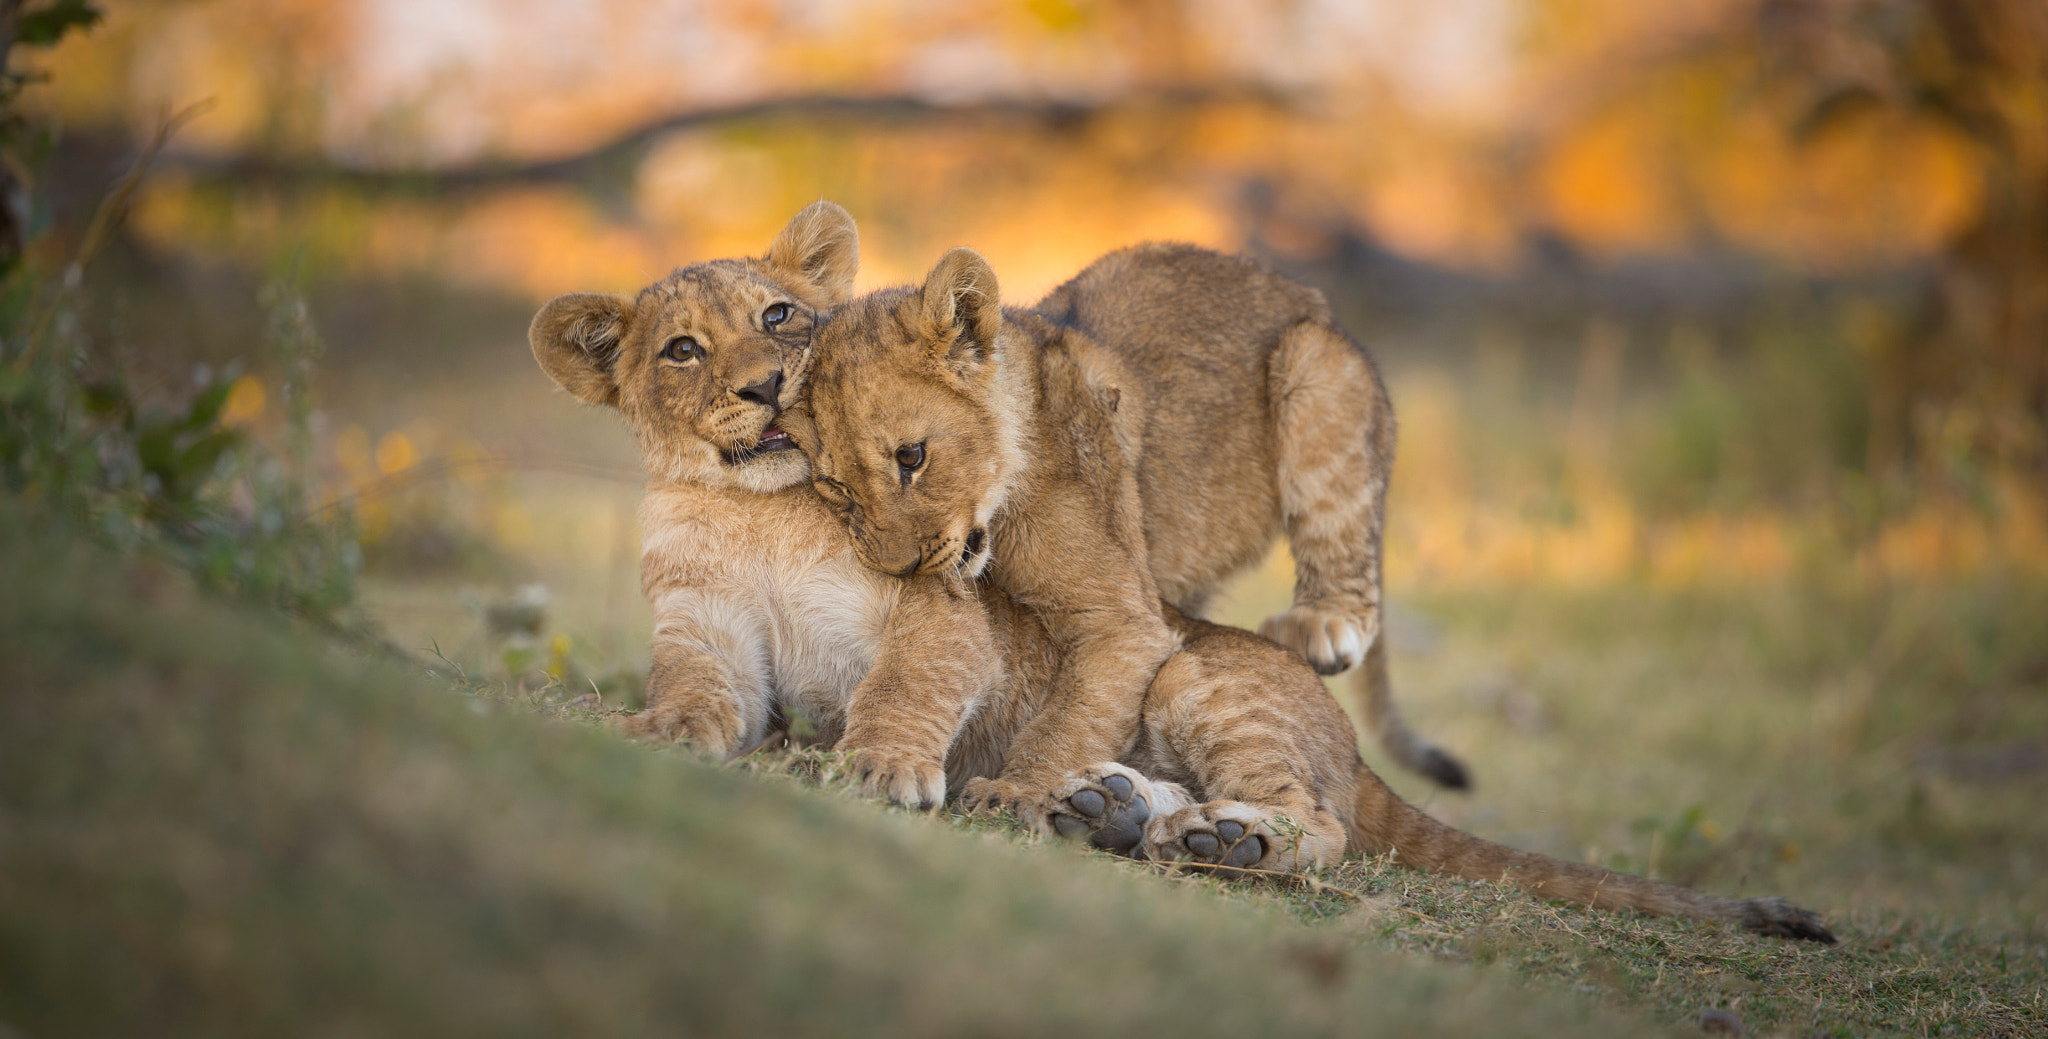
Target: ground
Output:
[{"x": 218, "y": 821}]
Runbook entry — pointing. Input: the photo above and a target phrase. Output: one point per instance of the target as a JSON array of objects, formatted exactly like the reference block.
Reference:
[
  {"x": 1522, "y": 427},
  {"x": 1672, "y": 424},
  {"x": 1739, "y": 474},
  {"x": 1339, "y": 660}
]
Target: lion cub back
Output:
[{"x": 1198, "y": 330}]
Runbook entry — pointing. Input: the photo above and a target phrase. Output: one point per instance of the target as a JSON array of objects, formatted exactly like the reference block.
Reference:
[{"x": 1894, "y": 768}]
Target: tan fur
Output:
[
  {"x": 1026, "y": 433},
  {"x": 1251, "y": 411},
  {"x": 1233, "y": 739},
  {"x": 1264, "y": 416},
  {"x": 765, "y": 614},
  {"x": 762, "y": 615}
]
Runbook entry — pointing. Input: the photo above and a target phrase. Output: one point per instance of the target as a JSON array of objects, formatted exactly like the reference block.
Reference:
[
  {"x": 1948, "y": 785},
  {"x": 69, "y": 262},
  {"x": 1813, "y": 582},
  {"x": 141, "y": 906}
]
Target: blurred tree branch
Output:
[{"x": 625, "y": 150}]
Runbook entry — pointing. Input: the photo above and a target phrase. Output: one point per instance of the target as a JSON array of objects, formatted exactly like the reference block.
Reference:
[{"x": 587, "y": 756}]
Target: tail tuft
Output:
[
  {"x": 1777, "y": 918},
  {"x": 1444, "y": 770}
]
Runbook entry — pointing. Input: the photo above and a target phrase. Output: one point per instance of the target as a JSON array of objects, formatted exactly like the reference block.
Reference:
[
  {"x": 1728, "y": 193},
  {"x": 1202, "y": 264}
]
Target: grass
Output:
[
  {"x": 214, "y": 822},
  {"x": 1869, "y": 750},
  {"x": 1873, "y": 751},
  {"x": 211, "y": 823}
]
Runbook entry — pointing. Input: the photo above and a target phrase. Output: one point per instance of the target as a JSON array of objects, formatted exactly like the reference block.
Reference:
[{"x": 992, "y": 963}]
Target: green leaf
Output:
[
  {"x": 206, "y": 406},
  {"x": 105, "y": 398},
  {"x": 14, "y": 384},
  {"x": 45, "y": 26},
  {"x": 156, "y": 449},
  {"x": 196, "y": 462}
]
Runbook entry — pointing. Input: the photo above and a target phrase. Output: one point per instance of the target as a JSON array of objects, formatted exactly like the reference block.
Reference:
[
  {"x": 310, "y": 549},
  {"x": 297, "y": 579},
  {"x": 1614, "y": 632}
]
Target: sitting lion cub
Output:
[{"x": 761, "y": 615}]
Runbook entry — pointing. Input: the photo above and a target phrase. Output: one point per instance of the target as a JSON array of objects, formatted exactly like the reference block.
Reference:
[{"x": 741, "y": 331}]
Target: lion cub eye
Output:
[
  {"x": 683, "y": 349},
  {"x": 776, "y": 315},
  {"x": 910, "y": 457}
]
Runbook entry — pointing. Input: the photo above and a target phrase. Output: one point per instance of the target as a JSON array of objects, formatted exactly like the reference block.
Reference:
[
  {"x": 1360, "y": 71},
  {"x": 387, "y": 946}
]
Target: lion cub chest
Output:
[{"x": 770, "y": 585}]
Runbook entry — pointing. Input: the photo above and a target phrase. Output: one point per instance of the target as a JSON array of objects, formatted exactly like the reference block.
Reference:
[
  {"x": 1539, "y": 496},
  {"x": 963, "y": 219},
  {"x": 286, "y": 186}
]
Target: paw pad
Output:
[
  {"x": 1199, "y": 836},
  {"x": 1247, "y": 853},
  {"x": 1090, "y": 803},
  {"x": 1107, "y": 811}
]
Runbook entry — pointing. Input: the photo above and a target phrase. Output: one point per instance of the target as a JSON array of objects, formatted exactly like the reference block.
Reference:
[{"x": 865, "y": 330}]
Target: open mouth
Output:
[{"x": 771, "y": 440}]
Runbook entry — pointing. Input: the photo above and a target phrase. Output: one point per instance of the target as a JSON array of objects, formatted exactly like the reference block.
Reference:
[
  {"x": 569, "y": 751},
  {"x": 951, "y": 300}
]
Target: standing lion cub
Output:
[{"x": 1231, "y": 753}]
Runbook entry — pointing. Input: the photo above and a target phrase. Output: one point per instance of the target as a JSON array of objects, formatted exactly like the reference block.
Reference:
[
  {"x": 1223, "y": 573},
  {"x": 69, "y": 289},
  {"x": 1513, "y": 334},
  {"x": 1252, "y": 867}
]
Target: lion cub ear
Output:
[
  {"x": 576, "y": 339},
  {"x": 962, "y": 308},
  {"x": 821, "y": 247}
]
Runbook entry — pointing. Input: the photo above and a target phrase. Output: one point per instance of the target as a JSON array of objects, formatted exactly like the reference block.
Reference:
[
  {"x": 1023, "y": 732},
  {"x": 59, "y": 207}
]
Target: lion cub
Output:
[
  {"x": 1250, "y": 411},
  {"x": 1230, "y": 752},
  {"x": 761, "y": 614},
  {"x": 950, "y": 431},
  {"x": 1261, "y": 415}
]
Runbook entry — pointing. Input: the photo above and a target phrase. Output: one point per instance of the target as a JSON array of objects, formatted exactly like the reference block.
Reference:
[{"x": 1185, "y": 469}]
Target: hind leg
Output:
[
  {"x": 1334, "y": 445},
  {"x": 1258, "y": 735},
  {"x": 1230, "y": 834}
]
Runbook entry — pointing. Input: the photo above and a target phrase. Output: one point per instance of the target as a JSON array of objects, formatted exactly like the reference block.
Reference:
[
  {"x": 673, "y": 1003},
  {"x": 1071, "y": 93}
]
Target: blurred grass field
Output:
[{"x": 1858, "y": 731}]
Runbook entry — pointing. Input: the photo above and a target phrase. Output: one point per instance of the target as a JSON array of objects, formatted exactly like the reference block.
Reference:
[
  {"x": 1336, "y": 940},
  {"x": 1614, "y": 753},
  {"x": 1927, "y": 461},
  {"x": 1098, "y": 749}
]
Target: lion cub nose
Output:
[{"x": 767, "y": 391}]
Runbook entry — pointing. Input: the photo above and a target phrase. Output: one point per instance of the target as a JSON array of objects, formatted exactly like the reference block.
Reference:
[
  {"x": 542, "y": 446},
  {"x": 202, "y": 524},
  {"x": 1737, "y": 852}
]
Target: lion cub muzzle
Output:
[{"x": 743, "y": 425}]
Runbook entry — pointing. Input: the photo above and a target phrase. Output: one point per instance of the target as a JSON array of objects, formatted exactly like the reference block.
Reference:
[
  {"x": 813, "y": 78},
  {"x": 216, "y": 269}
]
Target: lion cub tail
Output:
[{"x": 1385, "y": 823}]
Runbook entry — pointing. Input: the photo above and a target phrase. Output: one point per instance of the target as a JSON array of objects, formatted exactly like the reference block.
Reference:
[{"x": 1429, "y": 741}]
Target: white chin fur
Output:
[
  {"x": 698, "y": 462},
  {"x": 772, "y": 472},
  {"x": 975, "y": 565}
]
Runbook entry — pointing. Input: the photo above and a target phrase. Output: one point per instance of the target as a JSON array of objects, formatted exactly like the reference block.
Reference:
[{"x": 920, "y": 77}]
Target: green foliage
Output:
[
  {"x": 84, "y": 444},
  {"x": 160, "y": 472},
  {"x": 23, "y": 140},
  {"x": 45, "y": 25},
  {"x": 1780, "y": 423}
]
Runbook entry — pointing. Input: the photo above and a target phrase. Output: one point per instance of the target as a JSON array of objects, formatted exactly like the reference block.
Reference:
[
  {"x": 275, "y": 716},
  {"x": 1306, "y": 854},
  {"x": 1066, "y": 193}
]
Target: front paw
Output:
[
  {"x": 905, "y": 777},
  {"x": 701, "y": 725},
  {"x": 1106, "y": 805},
  {"x": 995, "y": 795}
]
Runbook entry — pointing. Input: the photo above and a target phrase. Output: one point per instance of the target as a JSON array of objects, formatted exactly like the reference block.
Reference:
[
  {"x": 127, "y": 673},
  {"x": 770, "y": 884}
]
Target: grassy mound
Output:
[{"x": 211, "y": 823}]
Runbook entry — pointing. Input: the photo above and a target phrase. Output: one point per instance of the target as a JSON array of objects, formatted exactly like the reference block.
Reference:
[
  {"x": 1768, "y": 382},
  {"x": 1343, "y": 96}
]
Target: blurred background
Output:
[{"x": 1717, "y": 331}]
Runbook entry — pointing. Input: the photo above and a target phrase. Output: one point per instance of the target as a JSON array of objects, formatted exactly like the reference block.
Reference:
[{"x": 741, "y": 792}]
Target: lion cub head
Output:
[
  {"x": 703, "y": 362},
  {"x": 915, "y": 423}
]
